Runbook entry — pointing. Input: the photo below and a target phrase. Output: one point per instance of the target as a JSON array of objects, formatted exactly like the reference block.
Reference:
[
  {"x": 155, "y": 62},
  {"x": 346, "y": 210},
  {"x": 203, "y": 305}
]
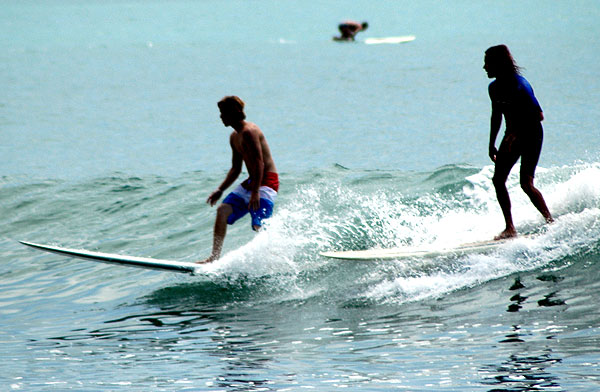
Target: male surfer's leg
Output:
[{"x": 223, "y": 212}]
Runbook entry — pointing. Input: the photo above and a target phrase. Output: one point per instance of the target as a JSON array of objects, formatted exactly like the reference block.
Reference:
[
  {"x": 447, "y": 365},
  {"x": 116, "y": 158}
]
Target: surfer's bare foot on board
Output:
[{"x": 507, "y": 233}]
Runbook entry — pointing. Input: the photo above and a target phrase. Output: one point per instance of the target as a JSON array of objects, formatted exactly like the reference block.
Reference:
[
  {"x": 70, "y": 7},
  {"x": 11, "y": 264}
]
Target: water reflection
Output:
[
  {"x": 523, "y": 371},
  {"x": 242, "y": 353},
  {"x": 516, "y": 300},
  {"x": 515, "y": 336},
  {"x": 526, "y": 369},
  {"x": 549, "y": 299},
  {"x": 183, "y": 324},
  {"x": 520, "y": 373}
]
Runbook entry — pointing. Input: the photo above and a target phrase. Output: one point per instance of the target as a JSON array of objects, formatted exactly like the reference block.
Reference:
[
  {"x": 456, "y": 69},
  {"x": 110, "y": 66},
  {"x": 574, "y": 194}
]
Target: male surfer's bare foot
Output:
[
  {"x": 206, "y": 261},
  {"x": 507, "y": 233}
]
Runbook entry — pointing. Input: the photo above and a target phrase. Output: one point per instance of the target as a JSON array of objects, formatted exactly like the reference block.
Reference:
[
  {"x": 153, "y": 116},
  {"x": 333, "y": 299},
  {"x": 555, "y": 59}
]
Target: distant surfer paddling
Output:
[
  {"x": 349, "y": 29},
  {"x": 256, "y": 194},
  {"x": 512, "y": 97}
]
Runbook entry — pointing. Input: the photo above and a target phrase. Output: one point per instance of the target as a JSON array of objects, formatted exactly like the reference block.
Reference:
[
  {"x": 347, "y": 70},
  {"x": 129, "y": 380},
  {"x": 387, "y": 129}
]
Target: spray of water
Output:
[{"x": 334, "y": 215}]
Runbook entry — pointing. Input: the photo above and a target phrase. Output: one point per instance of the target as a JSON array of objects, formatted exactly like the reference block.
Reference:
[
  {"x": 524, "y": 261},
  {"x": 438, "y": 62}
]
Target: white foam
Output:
[
  {"x": 573, "y": 196},
  {"x": 317, "y": 216}
]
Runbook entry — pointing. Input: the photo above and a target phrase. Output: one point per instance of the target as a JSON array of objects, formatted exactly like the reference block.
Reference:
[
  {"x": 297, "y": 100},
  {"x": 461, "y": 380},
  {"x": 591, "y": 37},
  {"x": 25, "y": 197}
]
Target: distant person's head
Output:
[
  {"x": 365, "y": 25},
  {"x": 498, "y": 61},
  {"x": 232, "y": 110}
]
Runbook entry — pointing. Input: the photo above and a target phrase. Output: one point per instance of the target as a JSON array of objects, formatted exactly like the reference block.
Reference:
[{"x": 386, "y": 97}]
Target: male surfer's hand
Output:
[
  {"x": 254, "y": 203},
  {"x": 214, "y": 197},
  {"x": 493, "y": 151}
]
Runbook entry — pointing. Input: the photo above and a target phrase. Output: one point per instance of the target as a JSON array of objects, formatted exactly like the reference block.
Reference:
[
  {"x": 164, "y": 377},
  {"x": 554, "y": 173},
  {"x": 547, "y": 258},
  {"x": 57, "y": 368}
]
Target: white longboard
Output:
[
  {"x": 132, "y": 261},
  {"x": 407, "y": 253},
  {"x": 389, "y": 40}
]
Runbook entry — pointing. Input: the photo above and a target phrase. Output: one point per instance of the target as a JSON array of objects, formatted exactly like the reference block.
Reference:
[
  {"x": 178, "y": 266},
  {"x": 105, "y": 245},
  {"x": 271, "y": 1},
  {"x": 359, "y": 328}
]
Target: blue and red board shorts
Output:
[{"x": 239, "y": 200}]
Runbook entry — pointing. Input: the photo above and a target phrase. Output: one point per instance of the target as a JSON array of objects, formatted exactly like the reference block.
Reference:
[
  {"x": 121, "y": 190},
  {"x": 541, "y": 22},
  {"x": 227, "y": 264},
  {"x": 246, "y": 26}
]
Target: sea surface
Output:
[{"x": 111, "y": 141}]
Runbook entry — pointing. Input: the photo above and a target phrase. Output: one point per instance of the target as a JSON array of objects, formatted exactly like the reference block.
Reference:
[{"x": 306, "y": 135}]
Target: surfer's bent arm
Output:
[
  {"x": 495, "y": 123},
  {"x": 255, "y": 164}
]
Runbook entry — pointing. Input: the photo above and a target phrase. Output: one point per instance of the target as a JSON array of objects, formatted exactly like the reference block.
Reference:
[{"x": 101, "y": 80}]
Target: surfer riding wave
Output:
[
  {"x": 513, "y": 98},
  {"x": 257, "y": 194}
]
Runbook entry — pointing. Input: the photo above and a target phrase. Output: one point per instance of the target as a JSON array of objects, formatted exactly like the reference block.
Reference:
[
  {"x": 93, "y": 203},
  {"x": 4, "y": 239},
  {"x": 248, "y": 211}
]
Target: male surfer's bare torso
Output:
[{"x": 251, "y": 145}]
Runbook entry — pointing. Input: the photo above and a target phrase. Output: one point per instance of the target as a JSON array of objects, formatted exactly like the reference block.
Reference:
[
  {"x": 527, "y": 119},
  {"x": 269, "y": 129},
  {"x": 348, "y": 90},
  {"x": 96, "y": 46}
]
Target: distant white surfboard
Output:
[
  {"x": 407, "y": 253},
  {"x": 132, "y": 261},
  {"x": 389, "y": 40}
]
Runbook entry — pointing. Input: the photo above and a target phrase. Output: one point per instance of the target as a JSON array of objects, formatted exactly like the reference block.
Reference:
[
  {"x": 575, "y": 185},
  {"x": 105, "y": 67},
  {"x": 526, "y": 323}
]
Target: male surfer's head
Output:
[
  {"x": 365, "y": 25},
  {"x": 232, "y": 110},
  {"x": 498, "y": 61}
]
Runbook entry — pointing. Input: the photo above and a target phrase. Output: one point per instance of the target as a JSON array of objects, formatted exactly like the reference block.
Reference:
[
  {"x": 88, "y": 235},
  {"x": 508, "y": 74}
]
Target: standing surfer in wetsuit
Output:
[{"x": 512, "y": 97}]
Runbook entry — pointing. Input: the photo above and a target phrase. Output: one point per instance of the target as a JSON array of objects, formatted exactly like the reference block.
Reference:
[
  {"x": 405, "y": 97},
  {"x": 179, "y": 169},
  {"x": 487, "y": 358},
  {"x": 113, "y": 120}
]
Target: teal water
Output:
[{"x": 112, "y": 142}]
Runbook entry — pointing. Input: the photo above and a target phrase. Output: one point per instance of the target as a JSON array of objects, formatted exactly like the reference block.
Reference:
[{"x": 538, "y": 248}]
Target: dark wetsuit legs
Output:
[{"x": 528, "y": 148}]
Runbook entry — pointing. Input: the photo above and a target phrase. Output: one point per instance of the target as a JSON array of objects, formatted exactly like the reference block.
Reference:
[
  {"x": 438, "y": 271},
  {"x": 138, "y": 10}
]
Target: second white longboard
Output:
[
  {"x": 389, "y": 40},
  {"x": 407, "y": 253}
]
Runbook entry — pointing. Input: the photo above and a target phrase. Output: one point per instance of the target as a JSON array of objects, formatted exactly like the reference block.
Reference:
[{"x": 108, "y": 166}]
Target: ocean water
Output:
[{"x": 111, "y": 141}]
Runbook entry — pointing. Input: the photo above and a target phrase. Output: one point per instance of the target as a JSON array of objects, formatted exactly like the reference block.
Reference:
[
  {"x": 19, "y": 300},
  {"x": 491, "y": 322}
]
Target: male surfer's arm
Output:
[
  {"x": 495, "y": 123},
  {"x": 232, "y": 174},
  {"x": 256, "y": 166}
]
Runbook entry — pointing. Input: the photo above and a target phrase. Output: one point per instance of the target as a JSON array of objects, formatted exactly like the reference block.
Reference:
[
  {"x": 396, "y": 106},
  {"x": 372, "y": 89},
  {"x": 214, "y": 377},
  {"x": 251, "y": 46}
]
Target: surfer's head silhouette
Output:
[{"x": 499, "y": 62}]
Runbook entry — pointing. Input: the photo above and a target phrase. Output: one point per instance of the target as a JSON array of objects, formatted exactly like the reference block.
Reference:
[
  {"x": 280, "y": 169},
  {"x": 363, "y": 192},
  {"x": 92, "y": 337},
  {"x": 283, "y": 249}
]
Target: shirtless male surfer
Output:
[
  {"x": 349, "y": 29},
  {"x": 258, "y": 192},
  {"x": 512, "y": 97}
]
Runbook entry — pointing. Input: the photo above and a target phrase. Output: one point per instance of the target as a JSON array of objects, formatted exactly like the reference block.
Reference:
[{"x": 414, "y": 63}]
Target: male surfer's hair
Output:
[
  {"x": 503, "y": 60},
  {"x": 365, "y": 25},
  {"x": 234, "y": 106}
]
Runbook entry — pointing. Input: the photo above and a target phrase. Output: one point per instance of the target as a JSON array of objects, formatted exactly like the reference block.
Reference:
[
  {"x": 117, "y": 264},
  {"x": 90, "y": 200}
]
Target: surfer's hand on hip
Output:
[{"x": 254, "y": 203}]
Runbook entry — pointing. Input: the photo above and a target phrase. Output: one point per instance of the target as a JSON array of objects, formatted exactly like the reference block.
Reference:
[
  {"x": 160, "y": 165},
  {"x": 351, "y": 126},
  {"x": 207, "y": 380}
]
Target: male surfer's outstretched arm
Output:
[{"x": 232, "y": 175}]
